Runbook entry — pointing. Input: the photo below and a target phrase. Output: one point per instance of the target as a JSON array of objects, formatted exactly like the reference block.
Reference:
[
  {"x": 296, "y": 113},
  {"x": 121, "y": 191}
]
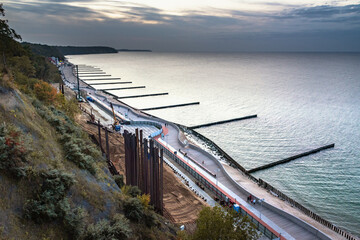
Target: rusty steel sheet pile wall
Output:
[{"x": 144, "y": 167}]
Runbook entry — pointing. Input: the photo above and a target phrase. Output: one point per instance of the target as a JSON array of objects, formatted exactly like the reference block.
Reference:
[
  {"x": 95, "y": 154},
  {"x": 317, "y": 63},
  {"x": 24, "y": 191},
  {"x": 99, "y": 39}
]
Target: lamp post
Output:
[
  {"x": 78, "y": 82},
  {"x": 261, "y": 201},
  {"x": 218, "y": 170}
]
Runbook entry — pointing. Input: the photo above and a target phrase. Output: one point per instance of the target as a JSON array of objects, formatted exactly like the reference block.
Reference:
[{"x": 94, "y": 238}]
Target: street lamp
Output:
[
  {"x": 218, "y": 170},
  {"x": 261, "y": 201}
]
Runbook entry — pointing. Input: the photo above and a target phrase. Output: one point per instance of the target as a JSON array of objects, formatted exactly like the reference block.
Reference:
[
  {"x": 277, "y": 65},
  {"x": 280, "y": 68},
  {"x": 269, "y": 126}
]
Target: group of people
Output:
[
  {"x": 224, "y": 202},
  {"x": 251, "y": 199},
  {"x": 200, "y": 186}
]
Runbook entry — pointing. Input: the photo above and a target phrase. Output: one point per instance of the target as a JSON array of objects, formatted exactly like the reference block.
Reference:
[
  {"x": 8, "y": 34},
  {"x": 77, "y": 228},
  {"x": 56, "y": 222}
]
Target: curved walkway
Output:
[{"x": 289, "y": 226}]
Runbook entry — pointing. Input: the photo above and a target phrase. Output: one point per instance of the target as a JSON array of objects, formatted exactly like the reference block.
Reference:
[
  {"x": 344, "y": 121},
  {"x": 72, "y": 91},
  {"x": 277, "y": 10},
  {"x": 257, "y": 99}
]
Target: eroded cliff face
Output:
[{"x": 46, "y": 189}]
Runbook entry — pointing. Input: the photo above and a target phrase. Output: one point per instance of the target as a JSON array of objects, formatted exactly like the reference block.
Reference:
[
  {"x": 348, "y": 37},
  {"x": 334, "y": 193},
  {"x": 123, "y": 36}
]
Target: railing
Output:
[
  {"x": 260, "y": 227},
  {"x": 198, "y": 164},
  {"x": 305, "y": 210}
]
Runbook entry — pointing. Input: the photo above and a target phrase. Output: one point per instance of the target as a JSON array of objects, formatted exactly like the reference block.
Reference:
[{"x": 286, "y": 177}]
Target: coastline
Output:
[
  {"x": 250, "y": 186},
  {"x": 256, "y": 188}
]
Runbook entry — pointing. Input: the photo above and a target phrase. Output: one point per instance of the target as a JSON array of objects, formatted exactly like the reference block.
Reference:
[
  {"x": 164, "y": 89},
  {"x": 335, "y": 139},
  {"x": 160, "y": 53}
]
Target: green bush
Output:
[
  {"x": 49, "y": 202},
  {"x": 133, "y": 209},
  {"x": 116, "y": 228},
  {"x": 75, "y": 154},
  {"x": 150, "y": 218},
  {"x": 73, "y": 220},
  {"x": 119, "y": 179},
  {"x": 132, "y": 191},
  {"x": 77, "y": 148}
]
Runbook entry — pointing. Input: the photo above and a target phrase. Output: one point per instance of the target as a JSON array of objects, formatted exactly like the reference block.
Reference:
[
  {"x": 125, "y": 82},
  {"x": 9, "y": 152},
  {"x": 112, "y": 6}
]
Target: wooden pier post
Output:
[
  {"x": 107, "y": 145},
  {"x": 99, "y": 130},
  {"x": 146, "y": 166},
  {"x": 161, "y": 186}
]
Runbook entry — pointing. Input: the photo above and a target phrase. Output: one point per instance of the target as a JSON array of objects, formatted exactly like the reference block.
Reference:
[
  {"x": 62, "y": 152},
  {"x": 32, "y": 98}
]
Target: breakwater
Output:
[
  {"x": 170, "y": 106},
  {"x": 143, "y": 95},
  {"x": 286, "y": 160},
  {"x": 222, "y": 122}
]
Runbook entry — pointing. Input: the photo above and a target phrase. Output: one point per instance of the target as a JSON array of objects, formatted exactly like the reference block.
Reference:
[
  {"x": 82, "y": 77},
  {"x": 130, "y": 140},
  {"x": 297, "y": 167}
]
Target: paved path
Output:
[{"x": 287, "y": 228}]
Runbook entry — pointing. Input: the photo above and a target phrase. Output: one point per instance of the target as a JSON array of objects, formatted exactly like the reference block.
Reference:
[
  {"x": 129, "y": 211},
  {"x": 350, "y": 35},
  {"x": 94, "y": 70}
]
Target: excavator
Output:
[{"x": 116, "y": 125}]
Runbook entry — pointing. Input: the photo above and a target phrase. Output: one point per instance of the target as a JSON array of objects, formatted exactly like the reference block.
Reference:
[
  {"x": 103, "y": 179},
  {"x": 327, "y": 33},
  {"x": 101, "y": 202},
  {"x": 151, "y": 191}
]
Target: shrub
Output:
[
  {"x": 131, "y": 191},
  {"x": 76, "y": 147},
  {"x": 75, "y": 154},
  {"x": 133, "y": 209},
  {"x": 51, "y": 204},
  {"x": 45, "y": 92},
  {"x": 150, "y": 218},
  {"x": 116, "y": 228},
  {"x": 119, "y": 179},
  {"x": 49, "y": 201},
  {"x": 12, "y": 150},
  {"x": 73, "y": 220},
  {"x": 134, "y": 191},
  {"x": 71, "y": 107},
  {"x": 145, "y": 200}
]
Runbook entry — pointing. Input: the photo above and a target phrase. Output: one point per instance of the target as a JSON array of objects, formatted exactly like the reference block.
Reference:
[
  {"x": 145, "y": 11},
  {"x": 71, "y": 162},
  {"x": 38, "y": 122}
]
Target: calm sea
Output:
[{"x": 303, "y": 101}]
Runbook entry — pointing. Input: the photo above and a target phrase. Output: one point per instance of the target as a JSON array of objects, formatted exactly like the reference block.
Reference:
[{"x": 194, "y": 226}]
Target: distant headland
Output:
[
  {"x": 61, "y": 51},
  {"x": 134, "y": 50}
]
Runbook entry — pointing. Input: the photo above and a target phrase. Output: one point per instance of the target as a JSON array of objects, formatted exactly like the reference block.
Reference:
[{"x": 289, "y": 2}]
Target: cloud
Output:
[
  {"x": 58, "y": 10},
  {"x": 124, "y": 24},
  {"x": 326, "y": 11}
]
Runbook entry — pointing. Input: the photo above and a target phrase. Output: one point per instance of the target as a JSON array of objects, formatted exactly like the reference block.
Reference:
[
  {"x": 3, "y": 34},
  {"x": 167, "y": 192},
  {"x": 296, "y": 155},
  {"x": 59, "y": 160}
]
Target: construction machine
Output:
[{"x": 116, "y": 124}]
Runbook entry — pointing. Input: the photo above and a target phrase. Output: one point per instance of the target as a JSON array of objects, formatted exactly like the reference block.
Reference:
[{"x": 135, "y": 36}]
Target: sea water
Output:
[{"x": 303, "y": 101}]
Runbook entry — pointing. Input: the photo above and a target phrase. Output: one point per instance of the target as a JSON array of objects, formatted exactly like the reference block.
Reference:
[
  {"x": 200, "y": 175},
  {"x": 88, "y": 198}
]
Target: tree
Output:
[
  {"x": 23, "y": 65},
  {"x": 218, "y": 223},
  {"x": 45, "y": 92},
  {"x": 5, "y": 30},
  {"x": 7, "y": 36}
]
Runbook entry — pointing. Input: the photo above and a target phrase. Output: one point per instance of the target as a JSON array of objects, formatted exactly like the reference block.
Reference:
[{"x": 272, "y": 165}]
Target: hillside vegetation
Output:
[{"x": 54, "y": 182}]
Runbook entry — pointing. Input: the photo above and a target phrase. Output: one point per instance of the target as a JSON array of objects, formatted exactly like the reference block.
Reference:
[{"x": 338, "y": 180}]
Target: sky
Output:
[{"x": 190, "y": 25}]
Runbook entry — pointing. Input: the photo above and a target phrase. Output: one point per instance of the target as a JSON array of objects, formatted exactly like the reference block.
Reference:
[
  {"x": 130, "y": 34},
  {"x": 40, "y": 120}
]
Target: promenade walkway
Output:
[{"x": 286, "y": 224}]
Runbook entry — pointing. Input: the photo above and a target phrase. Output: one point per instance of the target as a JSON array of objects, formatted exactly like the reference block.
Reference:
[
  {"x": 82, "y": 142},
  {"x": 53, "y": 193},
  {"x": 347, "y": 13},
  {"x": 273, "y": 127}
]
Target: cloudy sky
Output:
[{"x": 191, "y": 25}]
